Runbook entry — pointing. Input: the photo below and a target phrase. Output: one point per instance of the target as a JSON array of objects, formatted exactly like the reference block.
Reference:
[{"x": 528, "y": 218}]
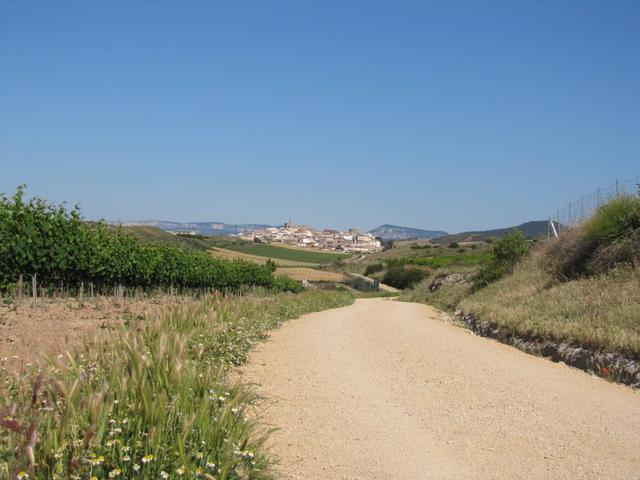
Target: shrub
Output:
[
  {"x": 609, "y": 238},
  {"x": 401, "y": 277},
  {"x": 283, "y": 283},
  {"x": 615, "y": 219},
  {"x": 373, "y": 268},
  {"x": 505, "y": 254},
  {"x": 454, "y": 245}
]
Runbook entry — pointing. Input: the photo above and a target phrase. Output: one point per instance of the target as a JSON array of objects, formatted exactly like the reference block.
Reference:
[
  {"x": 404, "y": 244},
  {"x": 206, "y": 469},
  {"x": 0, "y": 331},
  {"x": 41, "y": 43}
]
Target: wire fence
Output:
[{"x": 583, "y": 208}]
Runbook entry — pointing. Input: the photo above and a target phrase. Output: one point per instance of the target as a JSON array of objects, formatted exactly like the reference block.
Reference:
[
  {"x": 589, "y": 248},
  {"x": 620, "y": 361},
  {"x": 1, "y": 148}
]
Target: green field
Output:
[
  {"x": 284, "y": 253},
  {"x": 442, "y": 261}
]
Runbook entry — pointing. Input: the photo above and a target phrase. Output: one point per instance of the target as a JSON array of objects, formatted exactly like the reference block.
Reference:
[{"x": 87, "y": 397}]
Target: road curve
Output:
[{"x": 385, "y": 390}]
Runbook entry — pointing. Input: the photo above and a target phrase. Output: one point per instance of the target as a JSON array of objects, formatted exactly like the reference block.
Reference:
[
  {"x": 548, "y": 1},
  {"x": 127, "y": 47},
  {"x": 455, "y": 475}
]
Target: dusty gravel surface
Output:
[{"x": 386, "y": 390}]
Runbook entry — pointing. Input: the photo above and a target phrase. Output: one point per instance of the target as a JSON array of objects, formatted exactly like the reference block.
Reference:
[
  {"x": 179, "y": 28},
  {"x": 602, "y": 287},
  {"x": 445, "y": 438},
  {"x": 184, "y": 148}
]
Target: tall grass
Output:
[
  {"x": 601, "y": 311},
  {"x": 150, "y": 401},
  {"x": 610, "y": 237},
  {"x": 583, "y": 287}
]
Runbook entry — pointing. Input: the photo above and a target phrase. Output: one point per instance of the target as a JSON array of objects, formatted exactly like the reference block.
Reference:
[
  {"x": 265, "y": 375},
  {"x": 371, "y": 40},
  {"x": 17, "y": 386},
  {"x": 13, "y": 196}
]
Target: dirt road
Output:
[{"x": 385, "y": 390}]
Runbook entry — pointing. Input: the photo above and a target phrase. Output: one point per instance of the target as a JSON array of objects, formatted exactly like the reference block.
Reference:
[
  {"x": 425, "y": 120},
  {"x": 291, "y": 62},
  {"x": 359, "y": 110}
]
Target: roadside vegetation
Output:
[
  {"x": 152, "y": 400},
  {"x": 409, "y": 262},
  {"x": 583, "y": 287},
  {"x": 150, "y": 397},
  {"x": 54, "y": 248}
]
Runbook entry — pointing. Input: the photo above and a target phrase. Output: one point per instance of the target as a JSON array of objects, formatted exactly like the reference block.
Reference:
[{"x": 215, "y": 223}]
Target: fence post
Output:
[{"x": 34, "y": 290}]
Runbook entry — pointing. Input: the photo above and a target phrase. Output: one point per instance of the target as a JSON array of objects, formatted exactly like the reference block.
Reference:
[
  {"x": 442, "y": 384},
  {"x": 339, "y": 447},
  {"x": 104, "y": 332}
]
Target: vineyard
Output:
[{"x": 53, "y": 246}]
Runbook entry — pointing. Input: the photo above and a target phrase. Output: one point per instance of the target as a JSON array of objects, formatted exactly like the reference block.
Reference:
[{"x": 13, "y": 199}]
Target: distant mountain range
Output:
[
  {"x": 529, "y": 229},
  {"x": 201, "y": 228},
  {"x": 385, "y": 232},
  {"x": 395, "y": 232}
]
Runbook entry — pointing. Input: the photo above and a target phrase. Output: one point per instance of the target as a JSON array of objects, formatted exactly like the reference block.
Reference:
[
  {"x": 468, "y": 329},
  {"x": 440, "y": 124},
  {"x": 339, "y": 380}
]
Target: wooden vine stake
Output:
[{"x": 34, "y": 289}]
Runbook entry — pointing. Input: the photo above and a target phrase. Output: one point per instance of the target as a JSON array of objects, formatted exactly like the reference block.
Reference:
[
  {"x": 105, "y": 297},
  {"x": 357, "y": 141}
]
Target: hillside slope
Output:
[
  {"x": 157, "y": 236},
  {"x": 201, "y": 228},
  {"x": 531, "y": 229},
  {"x": 396, "y": 232}
]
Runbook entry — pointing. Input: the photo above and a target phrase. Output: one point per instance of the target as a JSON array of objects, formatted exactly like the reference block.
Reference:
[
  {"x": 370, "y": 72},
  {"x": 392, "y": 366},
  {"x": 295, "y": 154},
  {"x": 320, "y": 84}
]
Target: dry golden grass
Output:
[
  {"x": 311, "y": 274},
  {"x": 224, "y": 253},
  {"x": 601, "y": 312}
]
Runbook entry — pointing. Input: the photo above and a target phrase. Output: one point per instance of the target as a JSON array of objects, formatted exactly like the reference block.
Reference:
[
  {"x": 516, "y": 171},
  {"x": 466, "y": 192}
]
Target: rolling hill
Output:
[
  {"x": 531, "y": 229},
  {"x": 395, "y": 232},
  {"x": 201, "y": 228}
]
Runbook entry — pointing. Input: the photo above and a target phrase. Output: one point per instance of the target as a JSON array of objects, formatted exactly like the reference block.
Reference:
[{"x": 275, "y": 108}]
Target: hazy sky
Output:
[{"x": 444, "y": 115}]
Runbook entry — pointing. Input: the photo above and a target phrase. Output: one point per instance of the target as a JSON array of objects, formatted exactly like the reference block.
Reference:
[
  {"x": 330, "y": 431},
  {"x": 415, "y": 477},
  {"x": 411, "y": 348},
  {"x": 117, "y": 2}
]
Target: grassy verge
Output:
[
  {"x": 600, "y": 312},
  {"x": 582, "y": 288},
  {"x": 445, "y": 298},
  {"x": 151, "y": 400}
]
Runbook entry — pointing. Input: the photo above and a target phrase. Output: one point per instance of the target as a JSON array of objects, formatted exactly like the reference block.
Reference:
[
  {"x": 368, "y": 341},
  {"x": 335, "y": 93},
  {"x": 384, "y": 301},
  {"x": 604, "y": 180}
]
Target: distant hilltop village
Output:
[{"x": 305, "y": 236}]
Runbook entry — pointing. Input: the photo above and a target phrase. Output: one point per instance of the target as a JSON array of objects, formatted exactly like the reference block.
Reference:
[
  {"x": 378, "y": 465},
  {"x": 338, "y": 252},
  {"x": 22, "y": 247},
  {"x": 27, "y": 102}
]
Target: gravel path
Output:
[{"x": 385, "y": 390}]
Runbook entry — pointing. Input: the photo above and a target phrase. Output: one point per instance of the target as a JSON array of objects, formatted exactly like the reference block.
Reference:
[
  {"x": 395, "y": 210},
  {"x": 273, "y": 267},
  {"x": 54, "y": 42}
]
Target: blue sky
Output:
[{"x": 443, "y": 115}]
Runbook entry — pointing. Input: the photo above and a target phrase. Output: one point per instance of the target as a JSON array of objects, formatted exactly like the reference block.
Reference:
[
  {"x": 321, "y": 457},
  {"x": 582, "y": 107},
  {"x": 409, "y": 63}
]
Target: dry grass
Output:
[
  {"x": 601, "y": 312},
  {"x": 311, "y": 274},
  {"x": 446, "y": 298},
  {"x": 231, "y": 254}
]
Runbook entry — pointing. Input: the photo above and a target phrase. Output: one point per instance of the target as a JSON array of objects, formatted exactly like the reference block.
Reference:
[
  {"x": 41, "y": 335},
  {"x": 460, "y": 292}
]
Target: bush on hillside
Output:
[
  {"x": 454, "y": 245},
  {"x": 615, "y": 219},
  {"x": 609, "y": 238},
  {"x": 283, "y": 283},
  {"x": 402, "y": 278},
  {"x": 386, "y": 244},
  {"x": 505, "y": 254},
  {"x": 373, "y": 268}
]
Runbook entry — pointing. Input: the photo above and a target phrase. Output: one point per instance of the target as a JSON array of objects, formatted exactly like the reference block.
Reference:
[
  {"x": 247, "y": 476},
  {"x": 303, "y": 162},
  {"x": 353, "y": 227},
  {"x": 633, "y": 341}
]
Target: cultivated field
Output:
[
  {"x": 311, "y": 274},
  {"x": 62, "y": 324},
  {"x": 289, "y": 253},
  {"x": 234, "y": 254}
]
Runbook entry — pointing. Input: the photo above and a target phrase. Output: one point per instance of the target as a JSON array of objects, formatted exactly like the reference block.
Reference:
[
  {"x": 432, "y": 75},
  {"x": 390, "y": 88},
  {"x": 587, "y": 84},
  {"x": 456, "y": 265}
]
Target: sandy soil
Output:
[
  {"x": 59, "y": 325},
  {"x": 385, "y": 390}
]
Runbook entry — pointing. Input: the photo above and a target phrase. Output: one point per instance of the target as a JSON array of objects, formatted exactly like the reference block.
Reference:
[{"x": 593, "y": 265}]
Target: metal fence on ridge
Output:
[{"x": 583, "y": 208}]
